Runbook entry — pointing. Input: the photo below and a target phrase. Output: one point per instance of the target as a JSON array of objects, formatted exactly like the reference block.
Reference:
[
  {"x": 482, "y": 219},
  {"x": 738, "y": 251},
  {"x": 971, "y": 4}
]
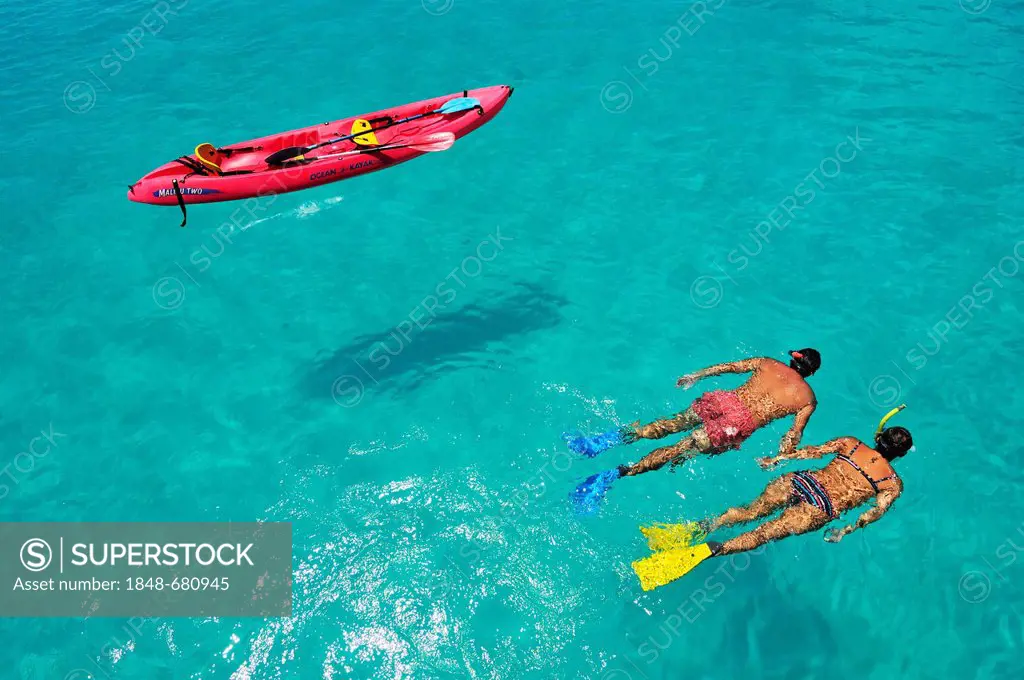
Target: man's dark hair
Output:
[{"x": 805, "y": 361}]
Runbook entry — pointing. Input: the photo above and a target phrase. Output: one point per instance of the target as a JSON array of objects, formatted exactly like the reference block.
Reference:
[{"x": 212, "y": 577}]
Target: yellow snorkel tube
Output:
[{"x": 888, "y": 416}]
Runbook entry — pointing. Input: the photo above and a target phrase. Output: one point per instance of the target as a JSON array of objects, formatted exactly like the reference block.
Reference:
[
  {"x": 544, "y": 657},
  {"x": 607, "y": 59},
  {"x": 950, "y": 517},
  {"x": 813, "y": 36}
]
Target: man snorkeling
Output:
[
  {"x": 723, "y": 419},
  {"x": 809, "y": 500},
  {"x": 719, "y": 420}
]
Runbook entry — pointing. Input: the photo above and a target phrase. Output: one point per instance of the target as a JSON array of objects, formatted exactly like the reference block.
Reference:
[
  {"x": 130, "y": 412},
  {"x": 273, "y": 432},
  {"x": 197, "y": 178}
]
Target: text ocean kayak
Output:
[{"x": 240, "y": 171}]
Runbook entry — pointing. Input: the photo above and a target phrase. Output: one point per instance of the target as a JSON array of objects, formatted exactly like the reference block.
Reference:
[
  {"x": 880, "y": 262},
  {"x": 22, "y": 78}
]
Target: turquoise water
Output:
[{"x": 655, "y": 215}]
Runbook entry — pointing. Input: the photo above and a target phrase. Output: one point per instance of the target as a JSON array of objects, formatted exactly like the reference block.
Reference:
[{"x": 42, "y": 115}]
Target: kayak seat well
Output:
[{"x": 250, "y": 161}]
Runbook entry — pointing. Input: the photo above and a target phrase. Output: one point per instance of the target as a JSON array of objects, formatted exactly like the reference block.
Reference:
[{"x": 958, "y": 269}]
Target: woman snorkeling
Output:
[{"x": 808, "y": 500}]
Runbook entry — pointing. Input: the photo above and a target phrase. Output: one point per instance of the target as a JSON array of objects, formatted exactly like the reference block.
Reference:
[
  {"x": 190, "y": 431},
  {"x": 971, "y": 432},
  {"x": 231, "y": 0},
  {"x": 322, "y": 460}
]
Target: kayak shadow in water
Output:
[{"x": 452, "y": 339}]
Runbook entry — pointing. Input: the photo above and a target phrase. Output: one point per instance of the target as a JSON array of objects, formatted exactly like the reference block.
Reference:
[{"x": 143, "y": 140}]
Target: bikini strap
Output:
[
  {"x": 886, "y": 479},
  {"x": 849, "y": 459}
]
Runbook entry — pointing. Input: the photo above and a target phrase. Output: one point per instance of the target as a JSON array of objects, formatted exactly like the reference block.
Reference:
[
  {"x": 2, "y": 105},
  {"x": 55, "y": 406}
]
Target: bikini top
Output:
[{"x": 871, "y": 480}]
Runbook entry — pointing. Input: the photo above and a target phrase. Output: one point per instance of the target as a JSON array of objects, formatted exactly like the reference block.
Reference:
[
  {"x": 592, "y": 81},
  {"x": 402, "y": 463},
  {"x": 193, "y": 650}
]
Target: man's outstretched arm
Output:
[
  {"x": 743, "y": 366},
  {"x": 805, "y": 453},
  {"x": 792, "y": 438}
]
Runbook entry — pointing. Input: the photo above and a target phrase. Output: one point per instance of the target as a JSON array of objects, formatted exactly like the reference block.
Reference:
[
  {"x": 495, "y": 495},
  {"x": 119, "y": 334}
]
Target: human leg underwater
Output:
[
  {"x": 797, "y": 519},
  {"x": 592, "y": 445},
  {"x": 667, "y": 565},
  {"x": 778, "y": 494},
  {"x": 675, "y": 454},
  {"x": 588, "y": 495},
  {"x": 675, "y": 553}
]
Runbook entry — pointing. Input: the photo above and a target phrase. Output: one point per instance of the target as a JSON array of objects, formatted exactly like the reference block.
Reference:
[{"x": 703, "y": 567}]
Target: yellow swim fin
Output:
[
  {"x": 668, "y": 565},
  {"x": 669, "y": 536}
]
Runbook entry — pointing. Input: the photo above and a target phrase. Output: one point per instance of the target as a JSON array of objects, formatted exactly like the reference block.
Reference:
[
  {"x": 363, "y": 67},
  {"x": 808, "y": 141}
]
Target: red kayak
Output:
[{"x": 319, "y": 154}]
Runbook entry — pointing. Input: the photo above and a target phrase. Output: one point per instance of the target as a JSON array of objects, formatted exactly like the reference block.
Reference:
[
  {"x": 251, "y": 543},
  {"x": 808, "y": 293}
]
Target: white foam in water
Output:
[
  {"x": 307, "y": 209},
  {"x": 261, "y": 221},
  {"x": 415, "y": 434},
  {"x": 310, "y": 208},
  {"x": 601, "y": 407}
]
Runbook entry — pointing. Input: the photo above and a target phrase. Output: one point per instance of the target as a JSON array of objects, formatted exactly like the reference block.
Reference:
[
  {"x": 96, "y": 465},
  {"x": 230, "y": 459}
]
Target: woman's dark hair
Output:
[
  {"x": 808, "y": 362},
  {"x": 894, "y": 442}
]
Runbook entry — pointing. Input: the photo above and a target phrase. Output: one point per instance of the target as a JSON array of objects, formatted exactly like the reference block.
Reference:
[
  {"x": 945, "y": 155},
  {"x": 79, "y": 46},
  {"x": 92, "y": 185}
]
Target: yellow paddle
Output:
[
  {"x": 293, "y": 153},
  {"x": 361, "y": 125}
]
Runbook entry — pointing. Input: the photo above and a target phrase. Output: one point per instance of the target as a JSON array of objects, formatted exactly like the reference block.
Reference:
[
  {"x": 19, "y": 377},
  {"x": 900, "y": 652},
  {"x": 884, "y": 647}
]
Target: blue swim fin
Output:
[
  {"x": 591, "y": 446},
  {"x": 588, "y": 495}
]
